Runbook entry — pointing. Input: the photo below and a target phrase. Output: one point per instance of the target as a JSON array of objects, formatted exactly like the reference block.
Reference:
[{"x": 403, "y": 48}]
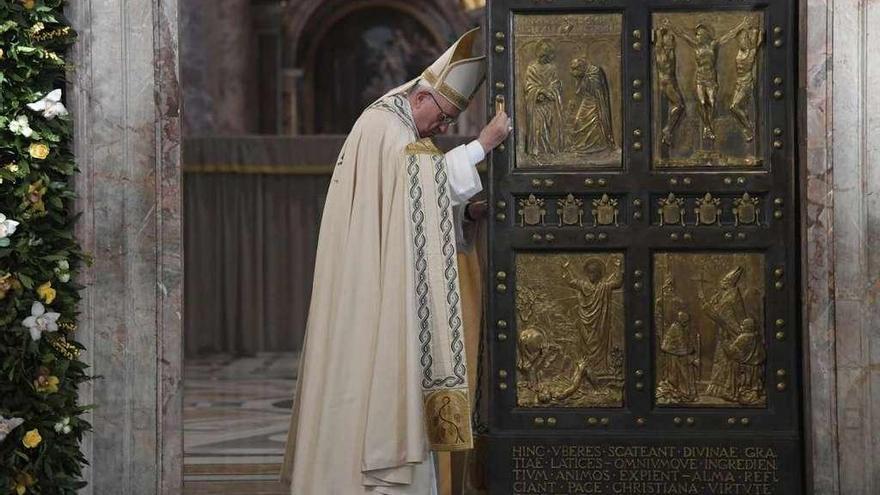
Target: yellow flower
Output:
[
  {"x": 38, "y": 150},
  {"x": 35, "y": 194},
  {"x": 1, "y": 54},
  {"x": 32, "y": 439},
  {"x": 22, "y": 482},
  {"x": 46, "y": 292},
  {"x": 47, "y": 384},
  {"x": 28, "y": 4}
]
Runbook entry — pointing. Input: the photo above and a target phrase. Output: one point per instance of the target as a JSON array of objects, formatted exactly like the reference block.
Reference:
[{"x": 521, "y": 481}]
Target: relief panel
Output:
[
  {"x": 570, "y": 321},
  {"x": 568, "y": 102},
  {"x": 706, "y": 105},
  {"x": 709, "y": 329}
]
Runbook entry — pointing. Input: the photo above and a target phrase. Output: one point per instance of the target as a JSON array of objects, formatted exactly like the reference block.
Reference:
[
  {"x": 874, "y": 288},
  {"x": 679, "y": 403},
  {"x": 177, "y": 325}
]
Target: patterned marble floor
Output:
[{"x": 236, "y": 416}]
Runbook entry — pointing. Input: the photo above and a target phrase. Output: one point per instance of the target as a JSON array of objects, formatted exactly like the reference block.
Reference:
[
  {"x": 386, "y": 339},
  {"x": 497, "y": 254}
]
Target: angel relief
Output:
[
  {"x": 568, "y": 97},
  {"x": 570, "y": 340}
]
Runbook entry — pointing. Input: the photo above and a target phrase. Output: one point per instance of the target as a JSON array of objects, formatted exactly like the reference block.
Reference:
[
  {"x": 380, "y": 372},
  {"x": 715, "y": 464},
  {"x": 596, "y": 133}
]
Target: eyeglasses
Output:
[{"x": 444, "y": 119}]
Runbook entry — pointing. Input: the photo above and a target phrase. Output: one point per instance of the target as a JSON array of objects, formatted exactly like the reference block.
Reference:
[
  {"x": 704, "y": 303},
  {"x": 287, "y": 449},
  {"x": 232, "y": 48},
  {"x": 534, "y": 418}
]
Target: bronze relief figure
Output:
[
  {"x": 589, "y": 123},
  {"x": 709, "y": 320},
  {"x": 570, "y": 330},
  {"x": 543, "y": 93}
]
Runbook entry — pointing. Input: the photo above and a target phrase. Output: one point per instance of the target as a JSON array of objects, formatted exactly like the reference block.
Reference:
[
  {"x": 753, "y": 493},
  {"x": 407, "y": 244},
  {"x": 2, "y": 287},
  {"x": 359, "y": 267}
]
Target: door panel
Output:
[{"x": 643, "y": 255}]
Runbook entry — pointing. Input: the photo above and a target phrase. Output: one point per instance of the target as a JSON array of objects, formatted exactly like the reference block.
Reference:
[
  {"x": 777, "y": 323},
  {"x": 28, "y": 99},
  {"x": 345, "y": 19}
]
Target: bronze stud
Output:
[
  {"x": 502, "y": 323},
  {"x": 501, "y": 288},
  {"x": 780, "y": 323},
  {"x": 502, "y": 373},
  {"x": 539, "y": 421},
  {"x": 603, "y": 236},
  {"x": 501, "y": 204},
  {"x": 499, "y": 85},
  {"x": 777, "y": 43},
  {"x": 637, "y": 215},
  {"x": 639, "y": 335},
  {"x": 637, "y": 146},
  {"x": 501, "y": 275},
  {"x": 777, "y": 144},
  {"x": 637, "y": 95},
  {"x": 639, "y": 323},
  {"x": 777, "y": 131},
  {"x": 637, "y": 45},
  {"x": 777, "y": 80},
  {"x": 502, "y": 386},
  {"x": 499, "y": 35},
  {"x": 502, "y": 337},
  {"x": 781, "y": 386},
  {"x": 780, "y": 336},
  {"x": 551, "y": 421},
  {"x": 603, "y": 182},
  {"x": 499, "y": 48},
  {"x": 501, "y": 217}
]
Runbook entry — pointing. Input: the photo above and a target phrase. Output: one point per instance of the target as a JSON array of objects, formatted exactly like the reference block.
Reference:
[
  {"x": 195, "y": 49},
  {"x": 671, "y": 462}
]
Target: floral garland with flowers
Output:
[{"x": 41, "y": 424}]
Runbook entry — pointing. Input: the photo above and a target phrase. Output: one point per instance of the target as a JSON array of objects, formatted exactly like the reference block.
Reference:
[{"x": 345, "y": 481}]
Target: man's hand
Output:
[{"x": 495, "y": 131}]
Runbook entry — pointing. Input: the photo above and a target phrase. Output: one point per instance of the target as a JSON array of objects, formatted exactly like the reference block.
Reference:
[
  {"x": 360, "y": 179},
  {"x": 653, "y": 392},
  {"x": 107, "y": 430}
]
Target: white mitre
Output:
[{"x": 456, "y": 75}]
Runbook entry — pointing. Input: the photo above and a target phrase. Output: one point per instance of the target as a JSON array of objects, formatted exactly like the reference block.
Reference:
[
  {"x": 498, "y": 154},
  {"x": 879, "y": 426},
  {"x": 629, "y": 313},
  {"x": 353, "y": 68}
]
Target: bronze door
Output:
[{"x": 643, "y": 249}]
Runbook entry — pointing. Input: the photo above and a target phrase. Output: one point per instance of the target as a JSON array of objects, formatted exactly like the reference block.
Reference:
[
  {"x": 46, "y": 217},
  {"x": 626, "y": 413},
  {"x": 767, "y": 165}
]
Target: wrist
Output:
[{"x": 467, "y": 213}]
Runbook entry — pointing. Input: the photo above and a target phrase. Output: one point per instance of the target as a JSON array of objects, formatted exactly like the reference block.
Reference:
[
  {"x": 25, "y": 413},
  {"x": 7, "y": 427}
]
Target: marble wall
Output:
[
  {"x": 125, "y": 98},
  {"x": 840, "y": 225}
]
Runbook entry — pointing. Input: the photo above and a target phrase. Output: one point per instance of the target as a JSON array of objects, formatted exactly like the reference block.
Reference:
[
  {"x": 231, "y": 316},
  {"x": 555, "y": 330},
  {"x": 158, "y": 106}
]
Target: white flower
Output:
[
  {"x": 40, "y": 321},
  {"x": 50, "y": 105},
  {"x": 7, "y": 227},
  {"x": 62, "y": 270},
  {"x": 20, "y": 125},
  {"x": 63, "y": 426}
]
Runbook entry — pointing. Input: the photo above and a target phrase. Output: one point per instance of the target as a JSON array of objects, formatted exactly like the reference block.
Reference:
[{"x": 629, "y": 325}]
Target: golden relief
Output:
[
  {"x": 706, "y": 101},
  {"x": 569, "y": 211},
  {"x": 531, "y": 211},
  {"x": 709, "y": 330},
  {"x": 567, "y": 73},
  {"x": 570, "y": 320}
]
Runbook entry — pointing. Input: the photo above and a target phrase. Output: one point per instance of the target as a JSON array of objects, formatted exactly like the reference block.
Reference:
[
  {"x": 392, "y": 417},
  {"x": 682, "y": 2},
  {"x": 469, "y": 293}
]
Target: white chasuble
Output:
[{"x": 382, "y": 376}]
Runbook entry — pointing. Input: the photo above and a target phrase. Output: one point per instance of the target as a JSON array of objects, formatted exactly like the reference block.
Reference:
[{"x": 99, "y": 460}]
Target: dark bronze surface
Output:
[{"x": 694, "y": 342}]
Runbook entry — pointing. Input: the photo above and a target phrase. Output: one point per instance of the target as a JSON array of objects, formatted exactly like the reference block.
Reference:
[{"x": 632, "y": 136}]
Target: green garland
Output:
[{"x": 40, "y": 369}]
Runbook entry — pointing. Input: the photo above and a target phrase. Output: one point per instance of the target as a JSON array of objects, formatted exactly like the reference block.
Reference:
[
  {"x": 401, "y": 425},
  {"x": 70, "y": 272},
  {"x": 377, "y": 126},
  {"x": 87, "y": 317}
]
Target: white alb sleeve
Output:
[{"x": 464, "y": 180}]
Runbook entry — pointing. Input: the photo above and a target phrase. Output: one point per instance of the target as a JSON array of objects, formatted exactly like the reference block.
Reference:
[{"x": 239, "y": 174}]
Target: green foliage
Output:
[{"x": 38, "y": 378}]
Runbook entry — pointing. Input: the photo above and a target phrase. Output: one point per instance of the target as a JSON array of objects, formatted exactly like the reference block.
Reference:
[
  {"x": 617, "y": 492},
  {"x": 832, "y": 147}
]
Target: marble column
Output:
[
  {"x": 125, "y": 101},
  {"x": 840, "y": 223}
]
